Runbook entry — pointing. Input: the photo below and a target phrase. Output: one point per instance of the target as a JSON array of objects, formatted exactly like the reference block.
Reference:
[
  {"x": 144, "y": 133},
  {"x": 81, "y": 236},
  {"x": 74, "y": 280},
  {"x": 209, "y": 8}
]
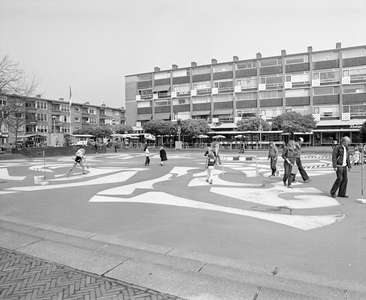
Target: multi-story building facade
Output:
[
  {"x": 329, "y": 84},
  {"x": 52, "y": 119}
]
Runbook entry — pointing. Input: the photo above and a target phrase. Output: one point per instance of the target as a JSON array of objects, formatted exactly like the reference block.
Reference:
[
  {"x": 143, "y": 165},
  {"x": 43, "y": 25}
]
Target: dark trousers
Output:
[
  {"x": 302, "y": 172},
  {"x": 273, "y": 162},
  {"x": 147, "y": 161},
  {"x": 287, "y": 176},
  {"x": 341, "y": 182}
]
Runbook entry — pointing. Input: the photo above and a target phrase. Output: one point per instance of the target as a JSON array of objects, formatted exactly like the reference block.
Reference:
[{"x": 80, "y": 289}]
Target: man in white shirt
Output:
[{"x": 341, "y": 162}]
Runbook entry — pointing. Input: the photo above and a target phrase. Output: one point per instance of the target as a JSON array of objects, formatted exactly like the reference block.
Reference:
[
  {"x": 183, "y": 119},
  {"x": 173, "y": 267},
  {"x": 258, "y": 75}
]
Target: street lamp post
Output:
[{"x": 54, "y": 128}]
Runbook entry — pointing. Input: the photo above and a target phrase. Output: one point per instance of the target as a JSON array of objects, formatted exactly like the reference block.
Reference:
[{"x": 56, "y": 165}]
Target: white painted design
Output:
[
  {"x": 218, "y": 181},
  {"x": 161, "y": 198},
  {"x": 130, "y": 188},
  {"x": 271, "y": 196},
  {"x": 114, "y": 178},
  {"x": 4, "y": 174},
  {"x": 6, "y": 192}
]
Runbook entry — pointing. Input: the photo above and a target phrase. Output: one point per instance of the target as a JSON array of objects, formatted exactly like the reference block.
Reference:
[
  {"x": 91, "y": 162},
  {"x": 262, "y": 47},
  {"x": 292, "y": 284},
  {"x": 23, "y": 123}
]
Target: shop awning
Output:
[
  {"x": 144, "y": 117},
  {"x": 337, "y": 130},
  {"x": 223, "y": 112},
  {"x": 340, "y": 122},
  {"x": 201, "y": 113},
  {"x": 29, "y": 135},
  {"x": 162, "y": 116},
  {"x": 161, "y": 88}
]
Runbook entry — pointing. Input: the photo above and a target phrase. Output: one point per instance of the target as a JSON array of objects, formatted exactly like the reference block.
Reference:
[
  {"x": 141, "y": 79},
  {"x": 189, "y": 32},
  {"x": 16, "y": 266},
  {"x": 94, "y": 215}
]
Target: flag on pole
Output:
[{"x": 70, "y": 98}]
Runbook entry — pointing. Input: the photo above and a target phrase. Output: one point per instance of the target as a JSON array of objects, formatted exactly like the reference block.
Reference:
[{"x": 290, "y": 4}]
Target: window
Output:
[
  {"x": 222, "y": 68},
  {"x": 298, "y": 78},
  {"x": 246, "y": 65},
  {"x": 201, "y": 70},
  {"x": 92, "y": 111},
  {"x": 355, "y": 110},
  {"x": 304, "y": 110},
  {"x": 204, "y": 99},
  {"x": 247, "y": 82},
  {"x": 354, "y": 53},
  {"x": 270, "y": 62},
  {"x": 77, "y": 119},
  {"x": 329, "y": 111},
  {"x": 246, "y": 96},
  {"x": 180, "y": 73},
  {"x": 144, "y": 77},
  {"x": 143, "y": 104},
  {"x": 41, "y": 105},
  {"x": 270, "y": 94},
  {"x": 271, "y": 81},
  {"x": 325, "y": 56},
  {"x": 30, "y": 104},
  {"x": 180, "y": 101},
  {"x": 224, "y": 84},
  {"x": 116, "y": 113},
  {"x": 202, "y": 85},
  {"x": 4, "y": 98},
  {"x": 162, "y": 102},
  {"x": 108, "y": 112},
  {"x": 223, "y": 98},
  {"x": 246, "y": 114},
  {"x": 326, "y": 91},
  {"x": 77, "y": 109},
  {"x": 146, "y": 93},
  {"x": 93, "y": 120},
  {"x": 272, "y": 112},
  {"x": 296, "y": 59},
  {"x": 297, "y": 93},
  {"x": 358, "y": 73},
  {"x": 161, "y": 75},
  {"x": 41, "y": 117},
  {"x": 357, "y": 88},
  {"x": 327, "y": 76},
  {"x": 64, "y": 107},
  {"x": 182, "y": 88}
]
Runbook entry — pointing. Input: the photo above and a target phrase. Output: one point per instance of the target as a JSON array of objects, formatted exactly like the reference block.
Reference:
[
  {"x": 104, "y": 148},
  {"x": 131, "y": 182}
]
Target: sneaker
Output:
[
  {"x": 284, "y": 183},
  {"x": 332, "y": 195},
  {"x": 206, "y": 180},
  {"x": 270, "y": 175},
  {"x": 211, "y": 182},
  {"x": 308, "y": 180}
]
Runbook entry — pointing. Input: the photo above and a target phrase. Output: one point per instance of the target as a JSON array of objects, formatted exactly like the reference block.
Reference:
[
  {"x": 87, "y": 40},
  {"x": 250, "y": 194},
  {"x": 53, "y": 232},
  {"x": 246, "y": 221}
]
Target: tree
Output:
[
  {"x": 292, "y": 122},
  {"x": 16, "y": 116},
  {"x": 194, "y": 127},
  {"x": 124, "y": 129},
  {"x": 158, "y": 127},
  {"x": 252, "y": 124}
]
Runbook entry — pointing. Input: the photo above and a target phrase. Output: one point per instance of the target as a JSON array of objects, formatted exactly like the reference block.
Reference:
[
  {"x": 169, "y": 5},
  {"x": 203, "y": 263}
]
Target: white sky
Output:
[{"x": 93, "y": 44}]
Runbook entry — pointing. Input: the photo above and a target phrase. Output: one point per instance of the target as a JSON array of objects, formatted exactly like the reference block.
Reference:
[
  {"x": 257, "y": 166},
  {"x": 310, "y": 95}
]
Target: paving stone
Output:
[{"x": 26, "y": 277}]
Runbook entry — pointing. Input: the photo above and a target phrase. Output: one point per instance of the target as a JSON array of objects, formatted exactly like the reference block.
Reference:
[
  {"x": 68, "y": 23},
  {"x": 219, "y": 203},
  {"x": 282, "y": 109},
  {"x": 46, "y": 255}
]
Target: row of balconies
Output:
[{"x": 260, "y": 87}]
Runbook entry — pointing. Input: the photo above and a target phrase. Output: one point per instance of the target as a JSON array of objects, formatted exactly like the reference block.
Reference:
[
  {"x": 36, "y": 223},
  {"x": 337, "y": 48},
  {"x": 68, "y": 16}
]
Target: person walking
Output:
[
  {"x": 302, "y": 171},
  {"x": 79, "y": 159},
  {"x": 163, "y": 156},
  {"x": 217, "y": 155},
  {"x": 341, "y": 162},
  {"x": 147, "y": 155},
  {"x": 288, "y": 156},
  {"x": 210, "y": 166},
  {"x": 272, "y": 155}
]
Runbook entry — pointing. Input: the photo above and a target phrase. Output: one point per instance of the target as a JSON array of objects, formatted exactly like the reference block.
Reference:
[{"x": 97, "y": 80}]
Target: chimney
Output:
[
  {"x": 103, "y": 104},
  {"x": 61, "y": 99},
  {"x": 310, "y": 49},
  {"x": 339, "y": 45},
  {"x": 283, "y": 52},
  {"x": 39, "y": 96},
  {"x": 156, "y": 69},
  {"x": 213, "y": 61},
  {"x": 86, "y": 103},
  {"x": 235, "y": 58},
  {"x": 259, "y": 55},
  {"x": 174, "y": 67},
  {"x": 193, "y": 64}
]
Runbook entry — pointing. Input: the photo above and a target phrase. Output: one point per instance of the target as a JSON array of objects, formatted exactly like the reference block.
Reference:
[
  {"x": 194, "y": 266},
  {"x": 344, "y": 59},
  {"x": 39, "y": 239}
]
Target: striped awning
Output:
[
  {"x": 144, "y": 117},
  {"x": 162, "y": 116},
  {"x": 161, "y": 88},
  {"x": 201, "y": 113}
]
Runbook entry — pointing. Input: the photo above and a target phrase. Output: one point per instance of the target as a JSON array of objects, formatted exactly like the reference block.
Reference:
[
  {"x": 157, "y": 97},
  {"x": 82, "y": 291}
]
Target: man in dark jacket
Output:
[{"x": 341, "y": 162}]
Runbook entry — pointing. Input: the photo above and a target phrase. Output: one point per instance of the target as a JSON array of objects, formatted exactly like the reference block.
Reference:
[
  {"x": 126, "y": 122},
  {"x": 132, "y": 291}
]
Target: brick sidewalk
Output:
[{"x": 26, "y": 277}]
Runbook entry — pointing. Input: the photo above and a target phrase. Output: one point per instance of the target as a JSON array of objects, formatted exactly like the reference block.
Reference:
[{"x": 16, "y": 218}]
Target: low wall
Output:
[{"x": 57, "y": 151}]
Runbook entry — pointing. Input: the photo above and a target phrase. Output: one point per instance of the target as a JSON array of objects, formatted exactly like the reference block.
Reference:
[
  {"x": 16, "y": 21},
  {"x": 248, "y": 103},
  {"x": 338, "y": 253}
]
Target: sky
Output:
[{"x": 91, "y": 45}]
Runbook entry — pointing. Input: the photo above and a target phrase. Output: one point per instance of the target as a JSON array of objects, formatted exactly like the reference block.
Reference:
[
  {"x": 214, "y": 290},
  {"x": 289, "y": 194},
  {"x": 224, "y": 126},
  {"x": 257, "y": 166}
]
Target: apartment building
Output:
[
  {"x": 51, "y": 119},
  {"x": 330, "y": 84}
]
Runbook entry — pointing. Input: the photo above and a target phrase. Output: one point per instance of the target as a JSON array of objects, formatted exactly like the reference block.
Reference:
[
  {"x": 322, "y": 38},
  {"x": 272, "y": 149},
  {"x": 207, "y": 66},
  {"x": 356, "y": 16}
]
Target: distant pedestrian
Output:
[
  {"x": 302, "y": 172},
  {"x": 147, "y": 155},
  {"x": 96, "y": 147},
  {"x": 163, "y": 156},
  {"x": 210, "y": 166},
  {"x": 341, "y": 162},
  {"x": 216, "y": 150},
  {"x": 272, "y": 155},
  {"x": 288, "y": 156},
  {"x": 242, "y": 149},
  {"x": 79, "y": 159}
]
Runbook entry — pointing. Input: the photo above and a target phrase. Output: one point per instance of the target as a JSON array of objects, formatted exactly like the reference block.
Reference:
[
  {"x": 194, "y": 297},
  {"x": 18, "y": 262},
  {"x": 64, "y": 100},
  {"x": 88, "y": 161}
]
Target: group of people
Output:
[{"x": 162, "y": 152}]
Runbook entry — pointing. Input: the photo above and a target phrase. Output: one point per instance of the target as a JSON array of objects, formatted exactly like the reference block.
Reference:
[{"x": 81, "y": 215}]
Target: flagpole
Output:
[{"x": 70, "y": 102}]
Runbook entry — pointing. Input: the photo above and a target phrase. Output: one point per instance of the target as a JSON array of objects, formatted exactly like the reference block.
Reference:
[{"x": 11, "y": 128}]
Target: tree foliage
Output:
[
  {"x": 123, "y": 129},
  {"x": 291, "y": 122},
  {"x": 252, "y": 124},
  {"x": 160, "y": 127},
  {"x": 98, "y": 132},
  {"x": 194, "y": 127}
]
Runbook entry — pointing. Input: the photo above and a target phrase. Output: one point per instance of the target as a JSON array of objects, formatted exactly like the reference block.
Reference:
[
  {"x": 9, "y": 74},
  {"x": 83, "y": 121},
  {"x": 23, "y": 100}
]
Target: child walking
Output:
[{"x": 79, "y": 159}]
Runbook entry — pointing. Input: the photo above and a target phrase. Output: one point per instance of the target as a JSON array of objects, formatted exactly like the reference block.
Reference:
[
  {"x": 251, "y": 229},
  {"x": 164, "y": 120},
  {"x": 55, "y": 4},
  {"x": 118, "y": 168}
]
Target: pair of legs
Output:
[
  {"x": 73, "y": 167},
  {"x": 210, "y": 171},
  {"x": 287, "y": 176},
  {"x": 302, "y": 172},
  {"x": 147, "y": 161},
  {"x": 273, "y": 162},
  {"x": 340, "y": 183}
]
